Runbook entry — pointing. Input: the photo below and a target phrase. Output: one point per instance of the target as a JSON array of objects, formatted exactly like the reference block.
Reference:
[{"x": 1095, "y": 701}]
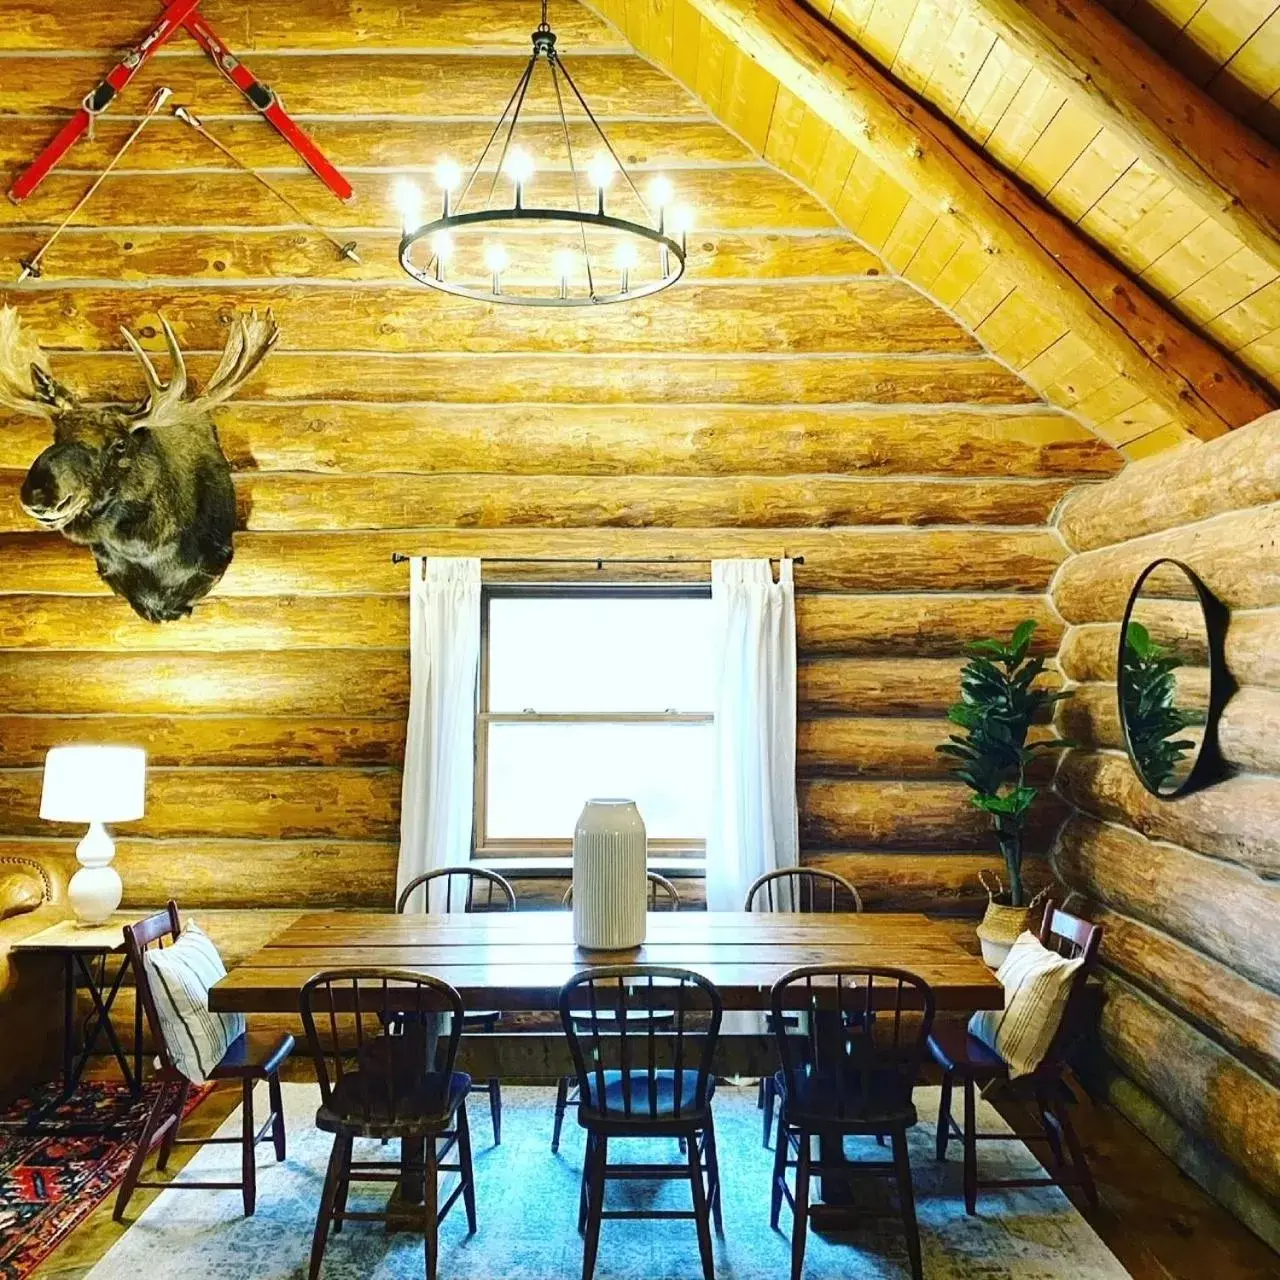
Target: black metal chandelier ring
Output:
[{"x": 673, "y": 256}]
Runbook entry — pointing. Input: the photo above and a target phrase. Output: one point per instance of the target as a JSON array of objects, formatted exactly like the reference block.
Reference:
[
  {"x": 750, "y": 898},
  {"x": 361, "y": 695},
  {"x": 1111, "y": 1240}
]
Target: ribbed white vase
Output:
[{"x": 610, "y": 887}]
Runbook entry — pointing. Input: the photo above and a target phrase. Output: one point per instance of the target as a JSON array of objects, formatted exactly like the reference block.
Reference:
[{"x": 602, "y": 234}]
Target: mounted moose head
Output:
[{"x": 146, "y": 487}]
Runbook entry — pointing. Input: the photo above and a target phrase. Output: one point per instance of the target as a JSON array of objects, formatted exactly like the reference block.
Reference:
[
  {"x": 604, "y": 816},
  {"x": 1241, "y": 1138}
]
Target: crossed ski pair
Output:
[{"x": 177, "y": 15}]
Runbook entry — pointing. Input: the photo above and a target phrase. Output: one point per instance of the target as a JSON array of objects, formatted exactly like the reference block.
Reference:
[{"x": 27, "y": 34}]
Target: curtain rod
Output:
[{"x": 399, "y": 557}]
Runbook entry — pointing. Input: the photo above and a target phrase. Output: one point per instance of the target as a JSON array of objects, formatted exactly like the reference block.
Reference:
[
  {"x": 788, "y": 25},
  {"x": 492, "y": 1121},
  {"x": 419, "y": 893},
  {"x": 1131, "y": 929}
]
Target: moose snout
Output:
[{"x": 55, "y": 488}]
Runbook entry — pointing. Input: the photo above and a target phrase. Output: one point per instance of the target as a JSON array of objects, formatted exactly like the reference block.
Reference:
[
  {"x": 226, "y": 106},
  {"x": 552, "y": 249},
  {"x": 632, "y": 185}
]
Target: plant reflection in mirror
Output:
[{"x": 1149, "y": 690}]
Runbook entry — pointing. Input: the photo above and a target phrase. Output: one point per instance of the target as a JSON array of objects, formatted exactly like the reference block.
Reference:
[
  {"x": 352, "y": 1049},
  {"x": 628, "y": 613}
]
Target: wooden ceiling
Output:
[{"x": 1097, "y": 220}]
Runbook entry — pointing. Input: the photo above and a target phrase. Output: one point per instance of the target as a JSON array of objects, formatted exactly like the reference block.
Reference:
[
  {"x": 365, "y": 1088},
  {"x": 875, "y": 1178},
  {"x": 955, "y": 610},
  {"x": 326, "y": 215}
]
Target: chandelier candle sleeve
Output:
[{"x": 610, "y": 882}]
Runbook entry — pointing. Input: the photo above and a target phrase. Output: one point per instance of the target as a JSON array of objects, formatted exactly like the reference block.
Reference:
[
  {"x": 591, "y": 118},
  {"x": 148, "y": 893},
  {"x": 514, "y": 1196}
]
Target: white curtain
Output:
[
  {"x": 754, "y": 825},
  {"x": 439, "y": 763}
]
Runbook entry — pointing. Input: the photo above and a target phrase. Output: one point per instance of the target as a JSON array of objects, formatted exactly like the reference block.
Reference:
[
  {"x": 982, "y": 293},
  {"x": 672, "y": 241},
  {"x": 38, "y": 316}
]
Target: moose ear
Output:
[{"x": 49, "y": 391}]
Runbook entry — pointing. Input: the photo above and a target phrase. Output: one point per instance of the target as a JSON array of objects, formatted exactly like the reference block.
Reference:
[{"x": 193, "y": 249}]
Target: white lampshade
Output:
[{"x": 94, "y": 784}]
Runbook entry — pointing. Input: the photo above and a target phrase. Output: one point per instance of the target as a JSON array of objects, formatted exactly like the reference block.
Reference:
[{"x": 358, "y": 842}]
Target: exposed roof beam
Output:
[
  {"x": 1198, "y": 384},
  {"x": 1179, "y": 130}
]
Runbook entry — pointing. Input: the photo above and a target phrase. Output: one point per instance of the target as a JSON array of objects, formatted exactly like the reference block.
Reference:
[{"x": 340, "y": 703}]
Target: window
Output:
[{"x": 593, "y": 692}]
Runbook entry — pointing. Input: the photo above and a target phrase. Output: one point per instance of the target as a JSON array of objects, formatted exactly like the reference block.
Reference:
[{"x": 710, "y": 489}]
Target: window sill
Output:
[{"x": 559, "y": 867}]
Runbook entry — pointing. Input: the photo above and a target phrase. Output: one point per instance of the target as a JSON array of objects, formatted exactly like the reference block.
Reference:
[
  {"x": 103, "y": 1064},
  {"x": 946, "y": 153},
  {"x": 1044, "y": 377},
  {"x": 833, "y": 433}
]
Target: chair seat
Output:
[
  {"x": 960, "y": 1053},
  {"x": 362, "y": 1103},
  {"x": 876, "y": 1104},
  {"x": 253, "y": 1057},
  {"x": 662, "y": 1106}
]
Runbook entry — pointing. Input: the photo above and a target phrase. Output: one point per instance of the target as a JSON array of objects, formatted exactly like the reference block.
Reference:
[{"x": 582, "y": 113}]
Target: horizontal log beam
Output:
[
  {"x": 869, "y": 316},
  {"x": 635, "y": 440},
  {"x": 406, "y": 146},
  {"x": 1232, "y": 553},
  {"x": 1177, "y": 488},
  {"x": 213, "y": 740},
  {"x": 1202, "y": 1085},
  {"x": 926, "y": 154},
  {"x": 1220, "y": 910},
  {"x": 860, "y": 746},
  {"x": 1242, "y": 1017},
  {"x": 452, "y": 377},
  {"x": 268, "y": 804},
  {"x": 1192, "y": 141},
  {"x": 752, "y": 198},
  {"x": 941, "y": 883},
  {"x": 1238, "y": 818},
  {"x": 910, "y": 815},
  {"x": 290, "y": 503},
  {"x": 889, "y": 626},
  {"x": 883, "y": 686},
  {"x": 356, "y": 84},
  {"x": 313, "y": 683},
  {"x": 1251, "y": 649},
  {"x": 270, "y": 564},
  {"x": 460, "y": 24},
  {"x": 879, "y": 626},
  {"x": 128, "y": 257}
]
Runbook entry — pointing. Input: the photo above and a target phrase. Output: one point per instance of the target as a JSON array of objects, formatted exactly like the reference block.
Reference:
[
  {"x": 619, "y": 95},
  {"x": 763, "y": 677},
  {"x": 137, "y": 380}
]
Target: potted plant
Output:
[
  {"x": 999, "y": 702},
  {"x": 1152, "y": 718}
]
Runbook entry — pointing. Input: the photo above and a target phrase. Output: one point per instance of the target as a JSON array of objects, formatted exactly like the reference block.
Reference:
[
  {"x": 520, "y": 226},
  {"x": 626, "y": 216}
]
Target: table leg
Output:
[
  {"x": 829, "y": 1034},
  {"x": 102, "y": 1026},
  {"x": 68, "y": 1024}
]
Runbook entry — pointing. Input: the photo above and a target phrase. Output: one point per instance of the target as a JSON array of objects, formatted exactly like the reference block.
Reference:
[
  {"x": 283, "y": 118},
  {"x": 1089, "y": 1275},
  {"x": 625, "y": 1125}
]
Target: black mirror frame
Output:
[{"x": 1208, "y": 765}]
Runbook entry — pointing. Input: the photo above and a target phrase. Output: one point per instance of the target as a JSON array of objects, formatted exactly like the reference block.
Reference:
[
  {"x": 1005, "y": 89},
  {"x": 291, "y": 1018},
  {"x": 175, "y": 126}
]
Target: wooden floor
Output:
[{"x": 1156, "y": 1221}]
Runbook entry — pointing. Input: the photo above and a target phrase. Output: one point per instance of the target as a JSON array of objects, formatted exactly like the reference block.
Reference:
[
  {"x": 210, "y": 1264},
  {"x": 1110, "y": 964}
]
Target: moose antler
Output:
[
  {"x": 25, "y": 381},
  {"x": 247, "y": 345}
]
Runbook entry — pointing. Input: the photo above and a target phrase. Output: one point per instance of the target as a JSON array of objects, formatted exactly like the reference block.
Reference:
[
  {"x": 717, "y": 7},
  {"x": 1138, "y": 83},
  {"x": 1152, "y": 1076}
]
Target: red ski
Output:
[
  {"x": 263, "y": 99},
  {"x": 100, "y": 98},
  {"x": 181, "y": 13}
]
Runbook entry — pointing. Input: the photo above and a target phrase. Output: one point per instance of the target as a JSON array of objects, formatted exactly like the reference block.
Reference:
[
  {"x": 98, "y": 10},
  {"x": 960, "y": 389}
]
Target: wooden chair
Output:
[
  {"x": 663, "y": 896},
  {"x": 386, "y": 1063},
  {"x": 854, "y": 1077},
  {"x": 808, "y": 890},
  {"x": 247, "y": 1060},
  {"x": 498, "y": 895},
  {"x": 805, "y": 889},
  {"x": 967, "y": 1060},
  {"x": 614, "y": 1018}
]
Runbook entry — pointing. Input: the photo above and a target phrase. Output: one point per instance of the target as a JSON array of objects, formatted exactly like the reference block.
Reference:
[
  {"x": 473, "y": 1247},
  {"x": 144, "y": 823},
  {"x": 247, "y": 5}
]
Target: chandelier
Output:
[{"x": 585, "y": 255}]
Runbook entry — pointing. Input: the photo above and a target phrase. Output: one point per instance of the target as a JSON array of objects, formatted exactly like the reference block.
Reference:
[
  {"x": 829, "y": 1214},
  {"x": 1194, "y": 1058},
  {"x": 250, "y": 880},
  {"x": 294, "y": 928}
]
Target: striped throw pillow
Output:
[
  {"x": 1037, "y": 982},
  {"x": 180, "y": 977}
]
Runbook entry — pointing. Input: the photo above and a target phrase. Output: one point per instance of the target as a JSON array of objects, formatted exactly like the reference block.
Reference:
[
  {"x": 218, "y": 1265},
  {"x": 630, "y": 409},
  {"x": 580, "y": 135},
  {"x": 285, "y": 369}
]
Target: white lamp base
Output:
[{"x": 96, "y": 889}]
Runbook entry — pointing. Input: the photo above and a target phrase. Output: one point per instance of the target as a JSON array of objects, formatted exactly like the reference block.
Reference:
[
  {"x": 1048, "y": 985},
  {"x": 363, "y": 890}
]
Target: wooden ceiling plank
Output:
[
  {"x": 1229, "y": 171},
  {"x": 931, "y": 158}
]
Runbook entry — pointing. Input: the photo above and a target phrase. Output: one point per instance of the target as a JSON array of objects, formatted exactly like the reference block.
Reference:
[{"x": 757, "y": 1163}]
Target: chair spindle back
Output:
[
  {"x": 471, "y": 888},
  {"x": 809, "y": 890},
  {"x": 663, "y": 895}
]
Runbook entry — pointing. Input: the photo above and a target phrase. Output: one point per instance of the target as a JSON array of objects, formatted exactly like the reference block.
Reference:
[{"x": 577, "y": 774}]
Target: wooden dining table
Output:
[{"x": 518, "y": 961}]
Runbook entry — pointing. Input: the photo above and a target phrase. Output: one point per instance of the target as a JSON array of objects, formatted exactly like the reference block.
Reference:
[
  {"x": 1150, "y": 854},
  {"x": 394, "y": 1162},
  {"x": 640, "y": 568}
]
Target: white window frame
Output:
[{"x": 692, "y": 848}]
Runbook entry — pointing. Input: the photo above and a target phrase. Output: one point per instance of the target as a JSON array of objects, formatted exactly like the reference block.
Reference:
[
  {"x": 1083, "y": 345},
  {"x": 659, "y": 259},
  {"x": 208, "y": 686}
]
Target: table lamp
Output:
[{"x": 94, "y": 785}]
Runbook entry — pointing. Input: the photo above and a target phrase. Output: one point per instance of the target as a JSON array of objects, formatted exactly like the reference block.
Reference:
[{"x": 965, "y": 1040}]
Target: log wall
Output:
[
  {"x": 793, "y": 394},
  {"x": 1188, "y": 889}
]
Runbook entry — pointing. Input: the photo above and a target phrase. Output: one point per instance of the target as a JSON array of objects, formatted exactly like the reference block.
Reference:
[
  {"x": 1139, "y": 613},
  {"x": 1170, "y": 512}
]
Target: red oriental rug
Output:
[{"x": 51, "y": 1181}]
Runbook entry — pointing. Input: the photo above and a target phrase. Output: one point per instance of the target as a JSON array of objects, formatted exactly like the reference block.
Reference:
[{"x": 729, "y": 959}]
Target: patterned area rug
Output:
[
  {"x": 50, "y": 1182},
  {"x": 528, "y": 1215}
]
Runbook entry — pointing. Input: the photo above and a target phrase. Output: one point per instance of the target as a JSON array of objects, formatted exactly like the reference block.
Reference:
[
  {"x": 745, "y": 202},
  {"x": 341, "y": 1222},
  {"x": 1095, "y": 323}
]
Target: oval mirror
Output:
[{"x": 1171, "y": 678}]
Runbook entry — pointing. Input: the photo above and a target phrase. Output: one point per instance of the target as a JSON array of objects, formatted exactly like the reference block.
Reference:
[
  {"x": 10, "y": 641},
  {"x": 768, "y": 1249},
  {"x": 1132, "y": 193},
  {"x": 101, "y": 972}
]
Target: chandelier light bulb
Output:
[
  {"x": 562, "y": 264},
  {"x": 448, "y": 175},
  {"x": 601, "y": 171},
  {"x": 680, "y": 220},
  {"x": 625, "y": 256},
  {"x": 408, "y": 199},
  {"x": 660, "y": 192},
  {"x": 442, "y": 245},
  {"x": 496, "y": 259},
  {"x": 518, "y": 166}
]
